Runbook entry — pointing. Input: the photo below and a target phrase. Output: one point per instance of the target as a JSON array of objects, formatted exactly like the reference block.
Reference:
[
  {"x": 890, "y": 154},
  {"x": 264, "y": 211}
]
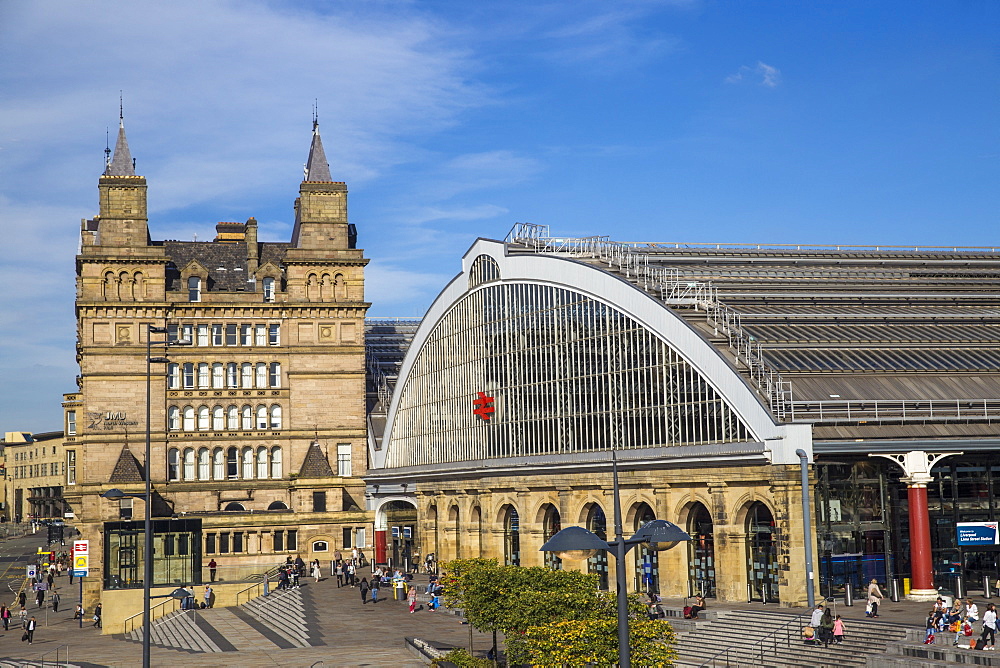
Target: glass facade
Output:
[
  {"x": 701, "y": 552},
  {"x": 176, "y": 553},
  {"x": 563, "y": 372}
]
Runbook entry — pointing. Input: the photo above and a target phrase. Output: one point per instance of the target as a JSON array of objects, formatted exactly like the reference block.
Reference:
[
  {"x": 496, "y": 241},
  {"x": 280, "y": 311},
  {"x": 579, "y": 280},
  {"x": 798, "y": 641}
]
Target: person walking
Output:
[
  {"x": 411, "y": 597},
  {"x": 5, "y": 617},
  {"x": 364, "y": 590},
  {"x": 22, "y": 599},
  {"x": 212, "y": 568},
  {"x": 97, "y": 616},
  {"x": 838, "y": 630},
  {"x": 814, "y": 621},
  {"x": 989, "y": 627},
  {"x": 351, "y": 580},
  {"x": 55, "y": 601},
  {"x": 874, "y": 598},
  {"x": 375, "y": 585},
  {"x": 317, "y": 571},
  {"x": 826, "y": 627},
  {"x": 29, "y": 629},
  {"x": 339, "y": 572},
  {"x": 39, "y": 598}
]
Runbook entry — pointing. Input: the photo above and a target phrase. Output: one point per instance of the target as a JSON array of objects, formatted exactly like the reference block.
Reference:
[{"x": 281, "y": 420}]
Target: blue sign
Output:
[
  {"x": 978, "y": 533},
  {"x": 79, "y": 574}
]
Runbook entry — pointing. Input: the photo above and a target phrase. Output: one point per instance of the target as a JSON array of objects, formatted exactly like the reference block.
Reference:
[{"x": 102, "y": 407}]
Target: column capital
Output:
[{"x": 916, "y": 464}]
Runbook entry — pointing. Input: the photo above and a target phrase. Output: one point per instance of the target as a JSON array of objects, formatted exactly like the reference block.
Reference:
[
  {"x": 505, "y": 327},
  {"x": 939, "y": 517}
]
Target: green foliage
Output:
[
  {"x": 552, "y": 618},
  {"x": 461, "y": 658}
]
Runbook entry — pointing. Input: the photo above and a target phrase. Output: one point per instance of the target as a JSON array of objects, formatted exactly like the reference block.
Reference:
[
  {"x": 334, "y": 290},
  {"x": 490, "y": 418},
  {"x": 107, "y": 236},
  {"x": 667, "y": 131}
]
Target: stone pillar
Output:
[{"x": 917, "y": 465}]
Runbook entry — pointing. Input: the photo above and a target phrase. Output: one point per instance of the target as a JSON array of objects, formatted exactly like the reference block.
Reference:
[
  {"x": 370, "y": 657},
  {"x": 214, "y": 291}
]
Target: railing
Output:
[
  {"x": 896, "y": 410},
  {"x": 633, "y": 260},
  {"x": 157, "y": 611},
  {"x": 42, "y": 662},
  {"x": 247, "y": 591},
  {"x": 769, "y": 645}
]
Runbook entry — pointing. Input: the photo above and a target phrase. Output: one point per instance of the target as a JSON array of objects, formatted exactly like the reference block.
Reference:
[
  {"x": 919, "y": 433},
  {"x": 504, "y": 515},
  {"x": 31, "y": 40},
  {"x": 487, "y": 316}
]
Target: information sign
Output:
[
  {"x": 978, "y": 533},
  {"x": 81, "y": 558}
]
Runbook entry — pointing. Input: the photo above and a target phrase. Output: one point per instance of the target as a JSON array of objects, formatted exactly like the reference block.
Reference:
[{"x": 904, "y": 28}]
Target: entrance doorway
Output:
[
  {"x": 646, "y": 566},
  {"x": 401, "y": 522},
  {"x": 598, "y": 523},
  {"x": 701, "y": 552},
  {"x": 762, "y": 557}
]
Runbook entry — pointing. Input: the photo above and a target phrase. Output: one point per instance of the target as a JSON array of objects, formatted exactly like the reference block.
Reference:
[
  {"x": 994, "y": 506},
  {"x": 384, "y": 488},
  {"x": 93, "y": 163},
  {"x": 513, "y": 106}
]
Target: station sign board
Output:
[
  {"x": 81, "y": 558},
  {"x": 978, "y": 533}
]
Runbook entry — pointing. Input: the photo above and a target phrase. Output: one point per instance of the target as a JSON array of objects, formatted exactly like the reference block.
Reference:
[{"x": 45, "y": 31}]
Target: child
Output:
[
  {"x": 838, "y": 630},
  {"x": 931, "y": 626}
]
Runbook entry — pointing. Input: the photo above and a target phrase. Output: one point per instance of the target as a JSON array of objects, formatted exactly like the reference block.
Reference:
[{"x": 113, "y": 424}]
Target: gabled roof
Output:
[
  {"x": 127, "y": 468},
  {"x": 315, "y": 464},
  {"x": 317, "y": 168},
  {"x": 121, "y": 164}
]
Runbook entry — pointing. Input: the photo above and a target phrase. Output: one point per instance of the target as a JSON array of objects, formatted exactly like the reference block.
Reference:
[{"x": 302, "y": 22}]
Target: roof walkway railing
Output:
[{"x": 896, "y": 410}]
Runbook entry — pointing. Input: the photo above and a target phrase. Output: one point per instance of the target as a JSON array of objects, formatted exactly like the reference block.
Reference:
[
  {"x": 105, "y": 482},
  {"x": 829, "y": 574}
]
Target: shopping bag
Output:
[
  {"x": 808, "y": 632},
  {"x": 967, "y": 629}
]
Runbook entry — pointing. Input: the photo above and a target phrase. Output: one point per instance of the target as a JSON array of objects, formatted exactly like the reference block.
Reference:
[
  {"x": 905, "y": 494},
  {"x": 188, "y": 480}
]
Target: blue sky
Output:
[{"x": 685, "y": 120}]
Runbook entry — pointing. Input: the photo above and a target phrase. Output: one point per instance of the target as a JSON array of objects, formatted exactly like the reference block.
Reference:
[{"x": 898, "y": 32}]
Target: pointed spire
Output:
[
  {"x": 317, "y": 168},
  {"x": 121, "y": 164}
]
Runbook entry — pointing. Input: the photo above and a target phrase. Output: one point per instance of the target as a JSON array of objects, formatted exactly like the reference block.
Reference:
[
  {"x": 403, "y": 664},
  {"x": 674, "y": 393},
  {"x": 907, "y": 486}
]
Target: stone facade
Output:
[{"x": 275, "y": 364}]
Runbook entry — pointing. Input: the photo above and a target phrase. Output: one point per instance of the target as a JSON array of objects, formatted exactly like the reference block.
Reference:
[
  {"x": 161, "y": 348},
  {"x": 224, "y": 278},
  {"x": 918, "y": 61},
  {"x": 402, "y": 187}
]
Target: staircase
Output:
[{"x": 745, "y": 638}]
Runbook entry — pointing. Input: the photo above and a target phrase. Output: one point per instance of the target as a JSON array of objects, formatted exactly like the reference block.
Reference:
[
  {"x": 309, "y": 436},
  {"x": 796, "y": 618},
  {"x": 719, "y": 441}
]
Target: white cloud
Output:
[
  {"x": 389, "y": 287},
  {"x": 761, "y": 73}
]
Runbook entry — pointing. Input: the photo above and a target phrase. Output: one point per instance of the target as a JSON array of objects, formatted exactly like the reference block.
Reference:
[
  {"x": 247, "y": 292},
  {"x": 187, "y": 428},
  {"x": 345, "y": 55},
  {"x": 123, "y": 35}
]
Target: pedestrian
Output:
[
  {"x": 29, "y": 629},
  {"x": 39, "y": 598},
  {"x": 282, "y": 579},
  {"x": 350, "y": 574},
  {"x": 838, "y": 630},
  {"x": 51, "y": 579},
  {"x": 300, "y": 566},
  {"x": 375, "y": 585},
  {"x": 931, "y": 626},
  {"x": 339, "y": 571},
  {"x": 354, "y": 556},
  {"x": 97, "y": 616},
  {"x": 989, "y": 627},
  {"x": 208, "y": 596},
  {"x": 874, "y": 597},
  {"x": 814, "y": 621},
  {"x": 22, "y": 599},
  {"x": 826, "y": 627},
  {"x": 212, "y": 569},
  {"x": 361, "y": 559},
  {"x": 364, "y": 590},
  {"x": 5, "y": 617},
  {"x": 55, "y": 601},
  {"x": 411, "y": 596},
  {"x": 317, "y": 571},
  {"x": 337, "y": 557}
]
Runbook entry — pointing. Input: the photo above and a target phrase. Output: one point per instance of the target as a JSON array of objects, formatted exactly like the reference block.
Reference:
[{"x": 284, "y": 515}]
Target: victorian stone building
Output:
[{"x": 257, "y": 424}]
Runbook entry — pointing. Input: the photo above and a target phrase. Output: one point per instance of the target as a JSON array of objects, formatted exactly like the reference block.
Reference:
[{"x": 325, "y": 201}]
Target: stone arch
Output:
[
  {"x": 124, "y": 286},
  {"x": 550, "y": 520},
  {"x": 537, "y": 512},
  {"x": 325, "y": 287},
  {"x": 454, "y": 527},
  {"x": 699, "y": 522},
  {"x": 277, "y": 505},
  {"x": 511, "y": 531},
  {"x": 476, "y": 527},
  {"x": 339, "y": 288},
  {"x": 634, "y": 503},
  {"x": 597, "y": 521},
  {"x": 109, "y": 289},
  {"x": 645, "y": 562},
  {"x": 138, "y": 286},
  {"x": 581, "y": 516},
  {"x": 312, "y": 287},
  {"x": 683, "y": 507}
]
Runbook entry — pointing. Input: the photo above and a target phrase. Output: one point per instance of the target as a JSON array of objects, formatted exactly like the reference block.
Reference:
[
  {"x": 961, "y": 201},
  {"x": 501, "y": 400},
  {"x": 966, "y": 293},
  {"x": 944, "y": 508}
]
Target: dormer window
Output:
[
  {"x": 268, "y": 284},
  {"x": 194, "y": 289}
]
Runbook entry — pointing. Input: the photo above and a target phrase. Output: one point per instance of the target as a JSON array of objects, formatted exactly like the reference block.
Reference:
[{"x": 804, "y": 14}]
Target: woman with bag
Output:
[
  {"x": 826, "y": 627},
  {"x": 989, "y": 628},
  {"x": 874, "y": 597}
]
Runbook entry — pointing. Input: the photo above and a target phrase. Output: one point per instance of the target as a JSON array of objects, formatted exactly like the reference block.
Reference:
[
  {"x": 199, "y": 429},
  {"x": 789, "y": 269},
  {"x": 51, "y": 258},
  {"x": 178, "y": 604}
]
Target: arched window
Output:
[
  {"x": 320, "y": 546},
  {"x": 551, "y": 525},
  {"x": 276, "y": 417},
  {"x": 232, "y": 463},
  {"x": 218, "y": 465},
  {"x": 189, "y": 463},
  {"x": 203, "y": 464},
  {"x": 247, "y": 375},
  {"x": 276, "y": 463},
  {"x": 234, "y": 507},
  {"x": 247, "y": 418},
  {"x": 701, "y": 551},
  {"x": 173, "y": 418},
  {"x": 647, "y": 562},
  {"x": 138, "y": 286},
  {"x": 484, "y": 269},
  {"x": 189, "y": 418},
  {"x": 218, "y": 418},
  {"x": 203, "y": 421},
  {"x": 598, "y": 523},
  {"x": 232, "y": 375},
  {"x": 174, "y": 376},
  {"x": 218, "y": 376},
  {"x": 124, "y": 286},
  {"x": 248, "y": 463},
  {"x": 277, "y": 505},
  {"x": 268, "y": 284},
  {"x": 511, "y": 538},
  {"x": 275, "y": 375},
  {"x": 312, "y": 288},
  {"x": 262, "y": 463},
  {"x": 325, "y": 287},
  {"x": 262, "y": 417},
  {"x": 232, "y": 418},
  {"x": 108, "y": 286},
  {"x": 261, "y": 374},
  {"x": 194, "y": 289},
  {"x": 172, "y": 464},
  {"x": 203, "y": 374},
  {"x": 339, "y": 288}
]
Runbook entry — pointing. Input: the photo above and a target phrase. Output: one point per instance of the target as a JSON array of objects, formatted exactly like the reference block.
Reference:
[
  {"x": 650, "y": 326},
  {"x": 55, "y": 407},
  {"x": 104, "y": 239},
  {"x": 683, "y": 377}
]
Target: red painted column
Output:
[
  {"x": 921, "y": 564},
  {"x": 380, "y": 546}
]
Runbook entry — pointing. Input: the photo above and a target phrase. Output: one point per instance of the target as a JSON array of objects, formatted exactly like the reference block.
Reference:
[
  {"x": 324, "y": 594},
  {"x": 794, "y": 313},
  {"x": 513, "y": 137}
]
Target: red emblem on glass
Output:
[{"x": 484, "y": 406}]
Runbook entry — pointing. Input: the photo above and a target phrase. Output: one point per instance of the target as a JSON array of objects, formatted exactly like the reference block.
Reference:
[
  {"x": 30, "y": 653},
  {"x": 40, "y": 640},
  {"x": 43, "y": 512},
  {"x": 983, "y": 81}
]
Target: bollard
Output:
[
  {"x": 894, "y": 590},
  {"x": 848, "y": 594},
  {"x": 749, "y": 592},
  {"x": 959, "y": 587},
  {"x": 987, "y": 591}
]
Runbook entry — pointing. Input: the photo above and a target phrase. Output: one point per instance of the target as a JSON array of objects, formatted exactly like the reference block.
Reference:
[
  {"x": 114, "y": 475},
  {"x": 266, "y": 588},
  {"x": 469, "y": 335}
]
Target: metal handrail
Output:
[
  {"x": 757, "y": 650},
  {"x": 152, "y": 616},
  {"x": 843, "y": 411},
  {"x": 40, "y": 662}
]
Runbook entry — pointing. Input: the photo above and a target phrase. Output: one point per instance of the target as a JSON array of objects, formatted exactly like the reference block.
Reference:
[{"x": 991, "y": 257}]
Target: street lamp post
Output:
[
  {"x": 579, "y": 543},
  {"x": 147, "y": 496}
]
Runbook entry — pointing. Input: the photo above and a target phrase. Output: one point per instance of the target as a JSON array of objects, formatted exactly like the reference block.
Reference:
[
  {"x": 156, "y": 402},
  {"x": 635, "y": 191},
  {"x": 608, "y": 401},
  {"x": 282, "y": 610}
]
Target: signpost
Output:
[
  {"x": 978, "y": 533},
  {"x": 80, "y": 566}
]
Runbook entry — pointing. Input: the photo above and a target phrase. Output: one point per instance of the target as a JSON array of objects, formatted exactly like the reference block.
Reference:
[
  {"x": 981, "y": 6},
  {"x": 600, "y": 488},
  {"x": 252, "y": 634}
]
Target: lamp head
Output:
[
  {"x": 661, "y": 535},
  {"x": 114, "y": 494},
  {"x": 575, "y": 543}
]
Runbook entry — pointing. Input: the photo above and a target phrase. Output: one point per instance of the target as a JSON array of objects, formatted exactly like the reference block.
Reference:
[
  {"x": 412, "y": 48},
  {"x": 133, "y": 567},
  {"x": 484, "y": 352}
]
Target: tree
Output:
[{"x": 540, "y": 611}]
